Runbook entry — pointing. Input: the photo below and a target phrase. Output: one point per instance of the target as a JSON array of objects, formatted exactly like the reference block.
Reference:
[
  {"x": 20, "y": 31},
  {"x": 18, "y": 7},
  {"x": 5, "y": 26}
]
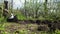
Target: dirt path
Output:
[{"x": 13, "y": 27}]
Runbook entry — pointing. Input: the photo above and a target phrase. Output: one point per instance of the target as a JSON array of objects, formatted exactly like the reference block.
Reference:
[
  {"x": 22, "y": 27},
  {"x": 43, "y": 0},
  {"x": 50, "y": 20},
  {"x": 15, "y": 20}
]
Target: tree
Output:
[
  {"x": 45, "y": 6},
  {"x": 32, "y": 7}
]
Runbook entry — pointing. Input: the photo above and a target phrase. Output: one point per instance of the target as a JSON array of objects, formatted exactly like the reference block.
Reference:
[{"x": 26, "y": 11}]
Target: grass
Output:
[
  {"x": 13, "y": 28},
  {"x": 22, "y": 30}
]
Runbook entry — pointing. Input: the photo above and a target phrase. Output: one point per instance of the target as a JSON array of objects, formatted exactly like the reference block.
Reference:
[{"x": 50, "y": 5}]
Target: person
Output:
[{"x": 5, "y": 13}]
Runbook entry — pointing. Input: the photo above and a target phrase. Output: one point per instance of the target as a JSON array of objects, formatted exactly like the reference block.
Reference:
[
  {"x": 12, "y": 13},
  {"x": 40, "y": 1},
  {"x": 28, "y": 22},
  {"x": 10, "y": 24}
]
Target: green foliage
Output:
[
  {"x": 0, "y": 12},
  {"x": 20, "y": 16}
]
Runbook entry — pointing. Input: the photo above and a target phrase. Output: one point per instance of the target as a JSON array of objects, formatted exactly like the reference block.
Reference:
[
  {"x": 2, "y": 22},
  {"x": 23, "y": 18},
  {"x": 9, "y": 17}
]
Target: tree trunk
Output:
[{"x": 45, "y": 7}]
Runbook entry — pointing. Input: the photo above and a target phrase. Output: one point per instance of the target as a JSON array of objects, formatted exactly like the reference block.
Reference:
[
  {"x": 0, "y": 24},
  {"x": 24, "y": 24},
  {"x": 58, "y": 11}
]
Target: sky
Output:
[
  {"x": 16, "y": 3},
  {"x": 19, "y": 3}
]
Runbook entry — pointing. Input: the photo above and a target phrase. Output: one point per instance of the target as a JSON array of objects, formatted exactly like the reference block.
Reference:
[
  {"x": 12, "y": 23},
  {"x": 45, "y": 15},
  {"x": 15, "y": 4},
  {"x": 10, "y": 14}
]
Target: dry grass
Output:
[{"x": 12, "y": 27}]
